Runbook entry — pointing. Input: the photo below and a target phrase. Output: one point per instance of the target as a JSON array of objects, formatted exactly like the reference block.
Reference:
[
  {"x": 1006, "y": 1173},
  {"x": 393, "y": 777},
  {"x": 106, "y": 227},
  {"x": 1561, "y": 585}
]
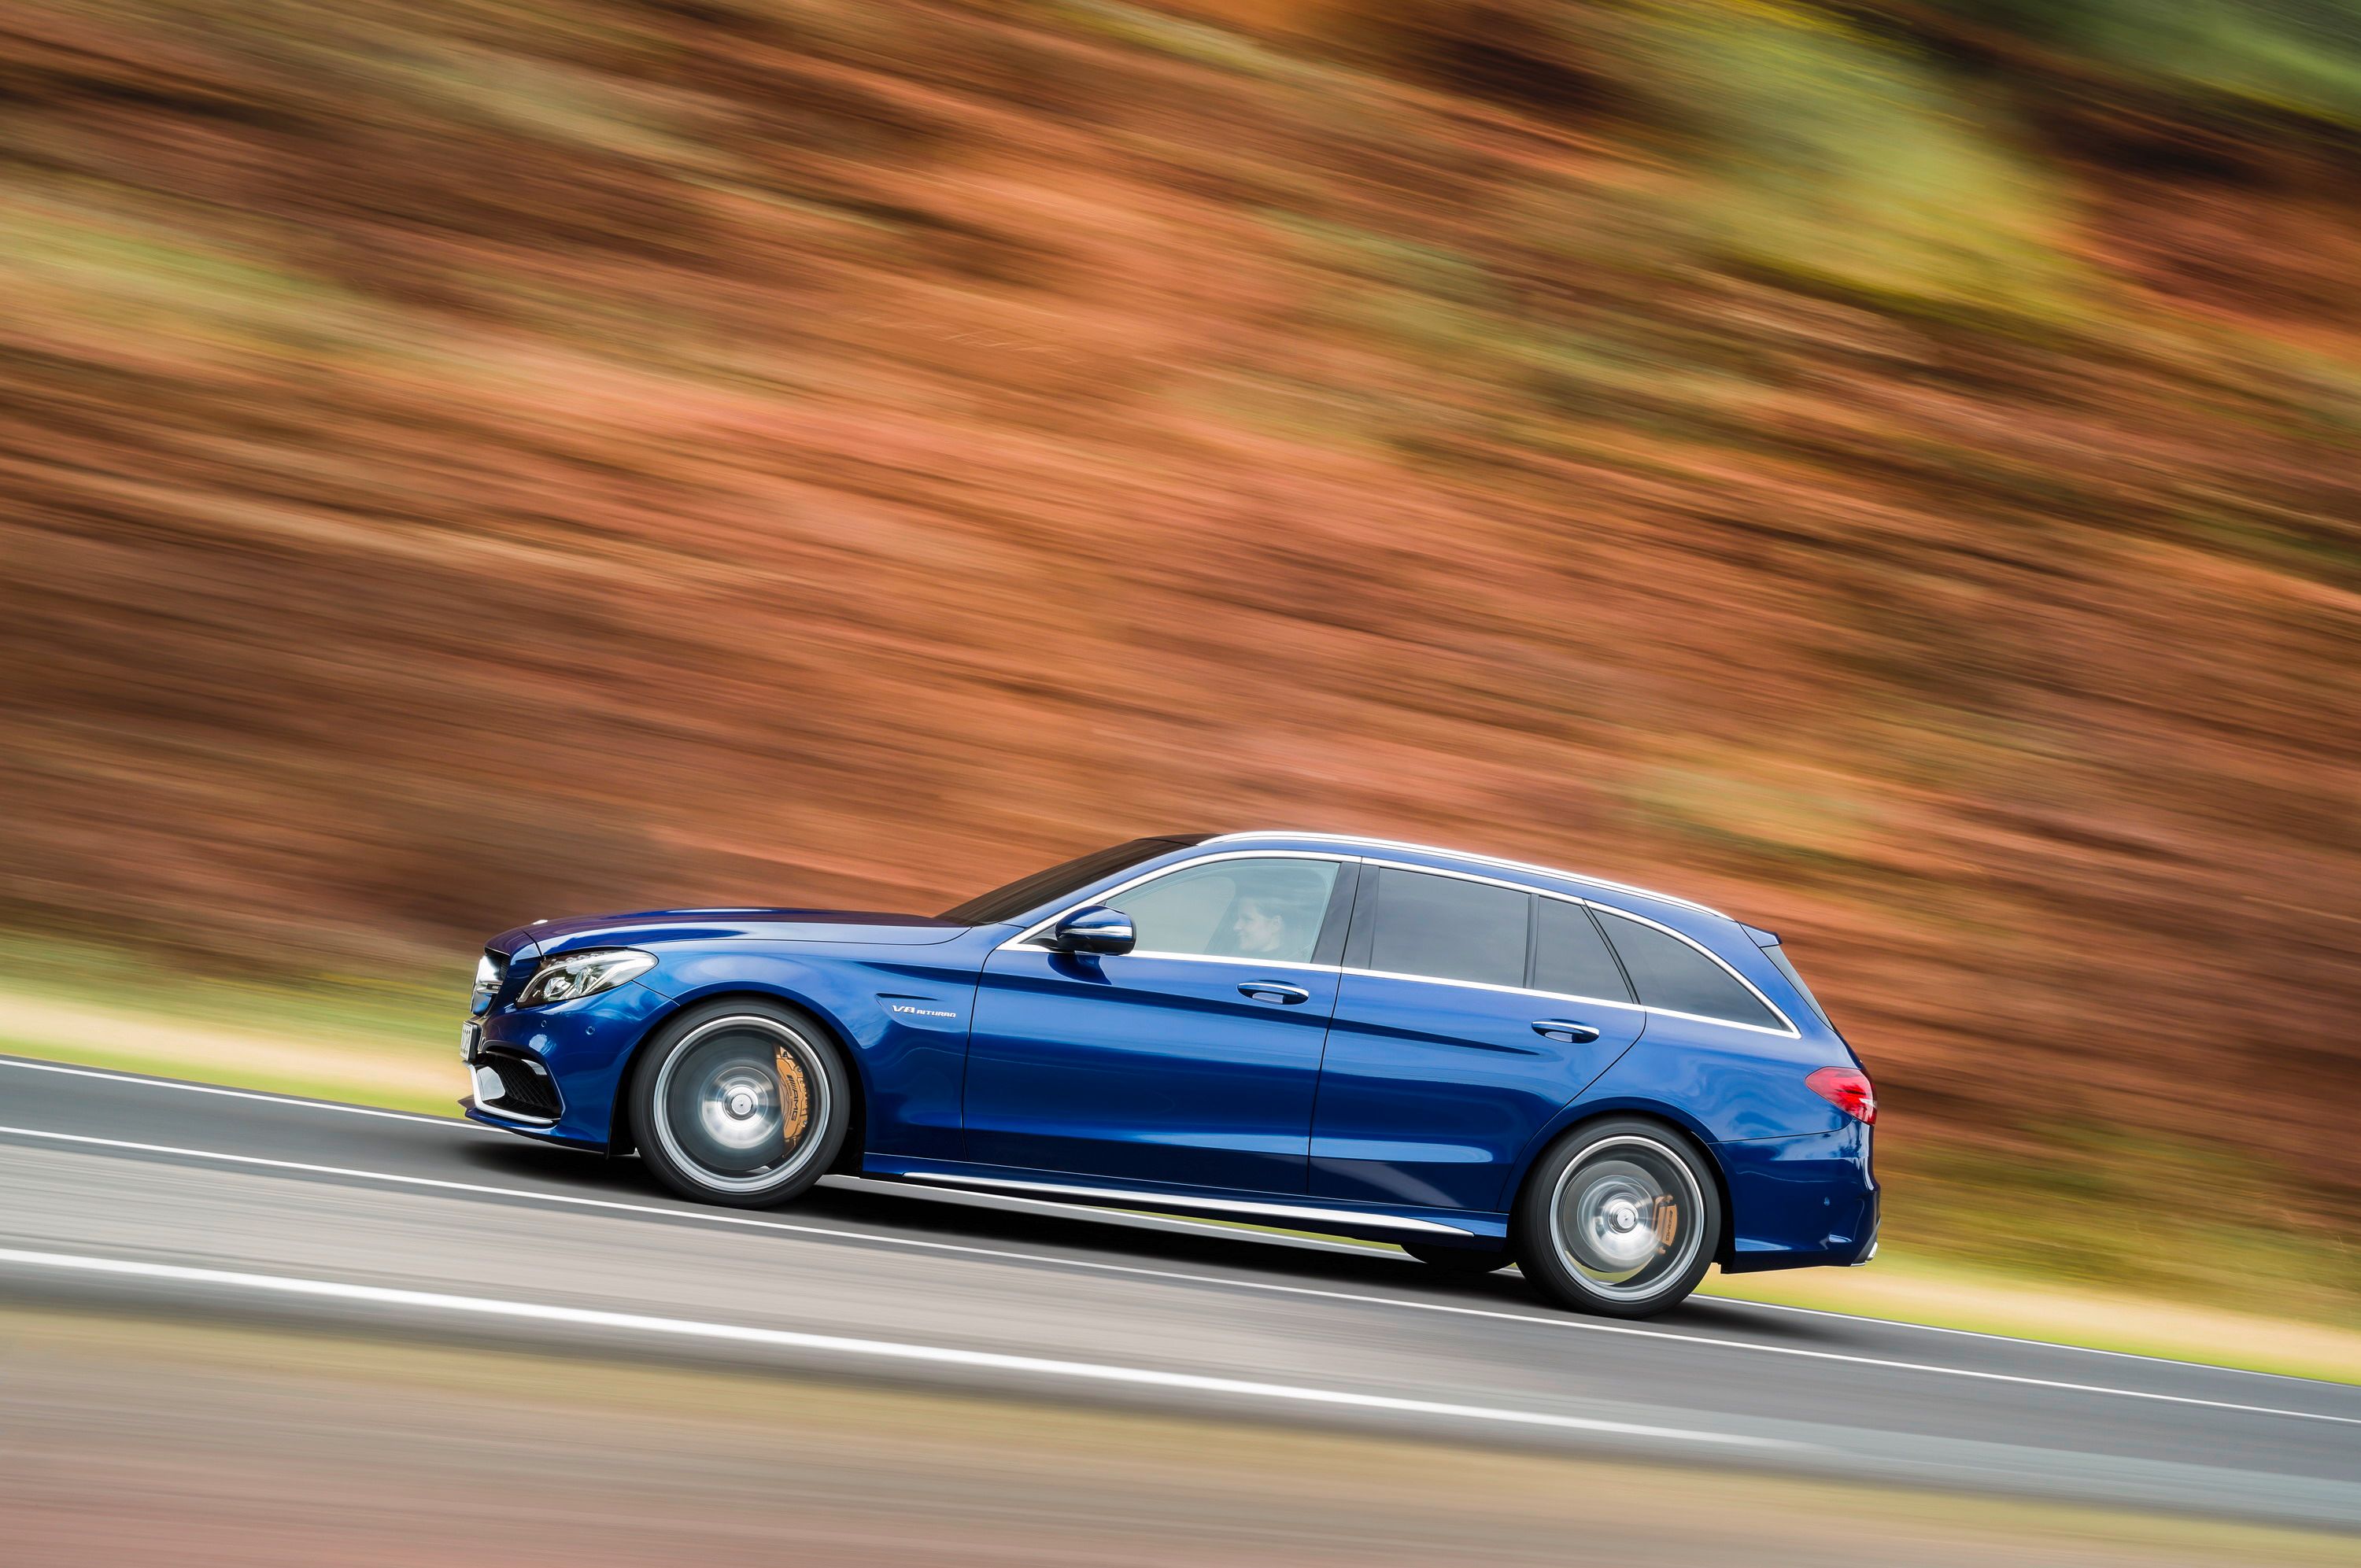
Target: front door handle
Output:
[
  {"x": 1273, "y": 990},
  {"x": 1564, "y": 1032}
]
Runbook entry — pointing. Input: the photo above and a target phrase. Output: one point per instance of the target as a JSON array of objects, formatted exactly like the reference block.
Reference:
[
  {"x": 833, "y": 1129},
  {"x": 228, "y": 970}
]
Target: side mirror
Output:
[{"x": 1097, "y": 929}]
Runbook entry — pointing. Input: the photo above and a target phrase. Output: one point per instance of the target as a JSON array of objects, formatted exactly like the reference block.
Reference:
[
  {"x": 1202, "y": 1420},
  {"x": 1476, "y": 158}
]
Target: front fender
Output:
[{"x": 903, "y": 1024}]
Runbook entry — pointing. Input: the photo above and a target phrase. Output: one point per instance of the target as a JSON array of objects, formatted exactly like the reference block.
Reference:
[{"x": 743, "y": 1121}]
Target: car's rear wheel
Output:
[
  {"x": 1457, "y": 1260},
  {"x": 1621, "y": 1218},
  {"x": 741, "y": 1103}
]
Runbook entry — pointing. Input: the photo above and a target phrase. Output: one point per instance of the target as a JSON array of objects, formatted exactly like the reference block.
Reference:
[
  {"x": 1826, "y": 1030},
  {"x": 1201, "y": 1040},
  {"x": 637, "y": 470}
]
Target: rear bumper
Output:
[{"x": 1801, "y": 1202}]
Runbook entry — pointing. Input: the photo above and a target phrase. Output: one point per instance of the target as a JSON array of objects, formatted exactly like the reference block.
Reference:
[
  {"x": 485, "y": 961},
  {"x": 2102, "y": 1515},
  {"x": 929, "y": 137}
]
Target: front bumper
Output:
[
  {"x": 578, "y": 1048},
  {"x": 515, "y": 1085}
]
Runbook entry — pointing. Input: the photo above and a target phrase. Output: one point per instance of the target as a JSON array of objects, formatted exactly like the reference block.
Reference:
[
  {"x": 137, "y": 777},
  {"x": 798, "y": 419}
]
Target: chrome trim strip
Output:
[
  {"x": 1479, "y": 860},
  {"x": 1218, "y": 958},
  {"x": 1787, "y": 1034},
  {"x": 520, "y": 1120},
  {"x": 1508, "y": 990},
  {"x": 1788, "y": 1031},
  {"x": 1131, "y": 1198}
]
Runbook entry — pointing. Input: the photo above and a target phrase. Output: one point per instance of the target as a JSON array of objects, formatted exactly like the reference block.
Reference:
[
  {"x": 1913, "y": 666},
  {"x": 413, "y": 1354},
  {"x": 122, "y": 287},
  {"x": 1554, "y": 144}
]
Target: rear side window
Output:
[
  {"x": 1570, "y": 957},
  {"x": 1445, "y": 928},
  {"x": 1672, "y": 975}
]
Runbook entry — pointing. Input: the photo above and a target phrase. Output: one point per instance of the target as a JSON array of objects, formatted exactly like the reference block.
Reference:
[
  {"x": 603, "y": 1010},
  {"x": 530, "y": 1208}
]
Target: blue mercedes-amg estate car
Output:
[{"x": 1481, "y": 1060}]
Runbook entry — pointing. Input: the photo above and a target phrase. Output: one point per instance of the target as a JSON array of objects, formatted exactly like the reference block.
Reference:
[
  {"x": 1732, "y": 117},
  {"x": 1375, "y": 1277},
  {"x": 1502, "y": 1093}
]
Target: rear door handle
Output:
[
  {"x": 1564, "y": 1032},
  {"x": 1273, "y": 990}
]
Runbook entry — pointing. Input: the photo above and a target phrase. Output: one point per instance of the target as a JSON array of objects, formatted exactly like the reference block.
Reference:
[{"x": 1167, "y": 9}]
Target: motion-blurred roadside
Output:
[{"x": 1886, "y": 468}]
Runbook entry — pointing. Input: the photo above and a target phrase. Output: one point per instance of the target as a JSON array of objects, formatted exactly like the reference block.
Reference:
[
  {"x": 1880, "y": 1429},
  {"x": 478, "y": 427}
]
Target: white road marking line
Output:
[
  {"x": 1574, "y": 1324},
  {"x": 994, "y": 1361},
  {"x": 147, "y": 1082},
  {"x": 2003, "y": 1339}
]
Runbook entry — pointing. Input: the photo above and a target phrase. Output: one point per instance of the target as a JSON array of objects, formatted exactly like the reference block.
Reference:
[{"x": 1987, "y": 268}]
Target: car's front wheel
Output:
[
  {"x": 1621, "y": 1218},
  {"x": 741, "y": 1103}
]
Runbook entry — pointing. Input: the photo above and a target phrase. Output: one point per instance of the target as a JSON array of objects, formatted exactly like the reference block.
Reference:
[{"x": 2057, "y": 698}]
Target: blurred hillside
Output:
[{"x": 1884, "y": 468}]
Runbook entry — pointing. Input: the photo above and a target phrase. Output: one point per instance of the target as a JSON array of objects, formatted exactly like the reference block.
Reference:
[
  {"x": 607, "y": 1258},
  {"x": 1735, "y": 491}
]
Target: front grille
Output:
[{"x": 526, "y": 1088}]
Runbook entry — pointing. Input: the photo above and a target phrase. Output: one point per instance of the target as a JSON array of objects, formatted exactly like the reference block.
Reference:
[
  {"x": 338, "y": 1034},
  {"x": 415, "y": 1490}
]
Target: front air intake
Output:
[{"x": 512, "y": 1084}]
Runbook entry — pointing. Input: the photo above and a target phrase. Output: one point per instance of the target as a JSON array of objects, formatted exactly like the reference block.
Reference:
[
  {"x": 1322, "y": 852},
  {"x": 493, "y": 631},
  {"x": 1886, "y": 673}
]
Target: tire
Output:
[
  {"x": 1458, "y": 1259},
  {"x": 741, "y": 1103},
  {"x": 1621, "y": 1218}
]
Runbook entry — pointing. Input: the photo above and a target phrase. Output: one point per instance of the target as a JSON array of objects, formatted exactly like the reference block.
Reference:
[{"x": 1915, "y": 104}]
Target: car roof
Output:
[{"x": 1356, "y": 842}]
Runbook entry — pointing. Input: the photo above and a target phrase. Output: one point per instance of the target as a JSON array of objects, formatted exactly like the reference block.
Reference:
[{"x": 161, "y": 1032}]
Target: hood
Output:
[{"x": 547, "y": 937}]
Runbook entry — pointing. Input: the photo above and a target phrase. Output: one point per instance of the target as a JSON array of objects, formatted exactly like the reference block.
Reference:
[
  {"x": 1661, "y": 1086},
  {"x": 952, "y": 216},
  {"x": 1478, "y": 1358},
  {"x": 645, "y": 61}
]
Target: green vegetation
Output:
[
  {"x": 1917, "y": 1285},
  {"x": 2150, "y": 1215},
  {"x": 374, "y": 1040},
  {"x": 1849, "y": 165},
  {"x": 2288, "y": 57}
]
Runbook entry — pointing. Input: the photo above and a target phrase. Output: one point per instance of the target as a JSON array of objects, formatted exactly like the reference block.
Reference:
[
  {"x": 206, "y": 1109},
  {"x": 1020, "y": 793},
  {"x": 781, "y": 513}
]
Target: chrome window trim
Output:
[
  {"x": 1025, "y": 938},
  {"x": 1167, "y": 1203},
  {"x": 1508, "y": 990},
  {"x": 1789, "y": 1032},
  {"x": 1471, "y": 856},
  {"x": 1217, "y": 958}
]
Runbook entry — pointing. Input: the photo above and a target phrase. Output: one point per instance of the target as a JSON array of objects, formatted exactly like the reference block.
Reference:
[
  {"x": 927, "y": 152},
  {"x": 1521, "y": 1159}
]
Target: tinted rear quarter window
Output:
[
  {"x": 1570, "y": 957},
  {"x": 1672, "y": 975},
  {"x": 1446, "y": 929}
]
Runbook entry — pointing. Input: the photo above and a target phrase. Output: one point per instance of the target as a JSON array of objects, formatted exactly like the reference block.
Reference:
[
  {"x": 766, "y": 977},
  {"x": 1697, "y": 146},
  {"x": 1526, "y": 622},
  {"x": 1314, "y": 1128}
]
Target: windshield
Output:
[{"x": 1048, "y": 886}]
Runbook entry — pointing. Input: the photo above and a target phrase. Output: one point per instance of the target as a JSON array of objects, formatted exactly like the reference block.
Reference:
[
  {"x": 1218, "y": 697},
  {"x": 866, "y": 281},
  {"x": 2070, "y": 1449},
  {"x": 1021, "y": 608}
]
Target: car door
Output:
[
  {"x": 1191, "y": 1059},
  {"x": 1469, "y": 1011}
]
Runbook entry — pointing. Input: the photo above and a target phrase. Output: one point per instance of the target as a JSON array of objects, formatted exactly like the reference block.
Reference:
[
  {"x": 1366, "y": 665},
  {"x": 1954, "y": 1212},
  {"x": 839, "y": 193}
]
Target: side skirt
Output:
[{"x": 1361, "y": 1223}]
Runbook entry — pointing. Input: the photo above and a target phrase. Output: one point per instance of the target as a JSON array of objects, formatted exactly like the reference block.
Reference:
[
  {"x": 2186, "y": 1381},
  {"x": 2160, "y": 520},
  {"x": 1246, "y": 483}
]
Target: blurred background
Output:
[{"x": 1886, "y": 468}]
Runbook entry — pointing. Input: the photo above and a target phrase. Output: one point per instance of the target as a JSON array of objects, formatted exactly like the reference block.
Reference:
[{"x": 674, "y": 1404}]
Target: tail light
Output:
[{"x": 1848, "y": 1089}]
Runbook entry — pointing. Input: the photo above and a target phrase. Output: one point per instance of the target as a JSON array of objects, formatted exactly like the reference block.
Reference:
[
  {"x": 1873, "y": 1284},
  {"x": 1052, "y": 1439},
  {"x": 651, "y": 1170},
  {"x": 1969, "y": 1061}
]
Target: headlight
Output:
[{"x": 586, "y": 974}]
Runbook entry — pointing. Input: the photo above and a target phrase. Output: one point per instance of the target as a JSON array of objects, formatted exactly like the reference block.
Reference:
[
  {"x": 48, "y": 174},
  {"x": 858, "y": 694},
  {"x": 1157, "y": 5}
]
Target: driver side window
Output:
[{"x": 1268, "y": 909}]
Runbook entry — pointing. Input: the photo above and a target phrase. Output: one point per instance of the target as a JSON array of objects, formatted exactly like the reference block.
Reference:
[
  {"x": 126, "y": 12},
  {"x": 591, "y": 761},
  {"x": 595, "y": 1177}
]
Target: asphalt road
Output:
[{"x": 116, "y": 1188}]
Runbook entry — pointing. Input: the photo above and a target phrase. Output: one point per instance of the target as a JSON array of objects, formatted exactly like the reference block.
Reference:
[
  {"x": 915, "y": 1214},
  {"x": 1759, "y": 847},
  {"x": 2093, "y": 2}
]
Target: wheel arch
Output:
[
  {"x": 856, "y": 1131},
  {"x": 1575, "y": 1119}
]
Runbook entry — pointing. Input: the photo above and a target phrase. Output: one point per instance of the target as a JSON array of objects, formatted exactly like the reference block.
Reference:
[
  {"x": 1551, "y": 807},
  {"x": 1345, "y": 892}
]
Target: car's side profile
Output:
[{"x": 1481, "y": 1060}]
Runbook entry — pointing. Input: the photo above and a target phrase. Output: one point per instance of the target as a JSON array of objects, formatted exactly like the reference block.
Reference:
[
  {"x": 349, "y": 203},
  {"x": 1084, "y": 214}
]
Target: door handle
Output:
[
  {"x": 1273, "y": 990},
  {"x": 1564, "y": 1032}
]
